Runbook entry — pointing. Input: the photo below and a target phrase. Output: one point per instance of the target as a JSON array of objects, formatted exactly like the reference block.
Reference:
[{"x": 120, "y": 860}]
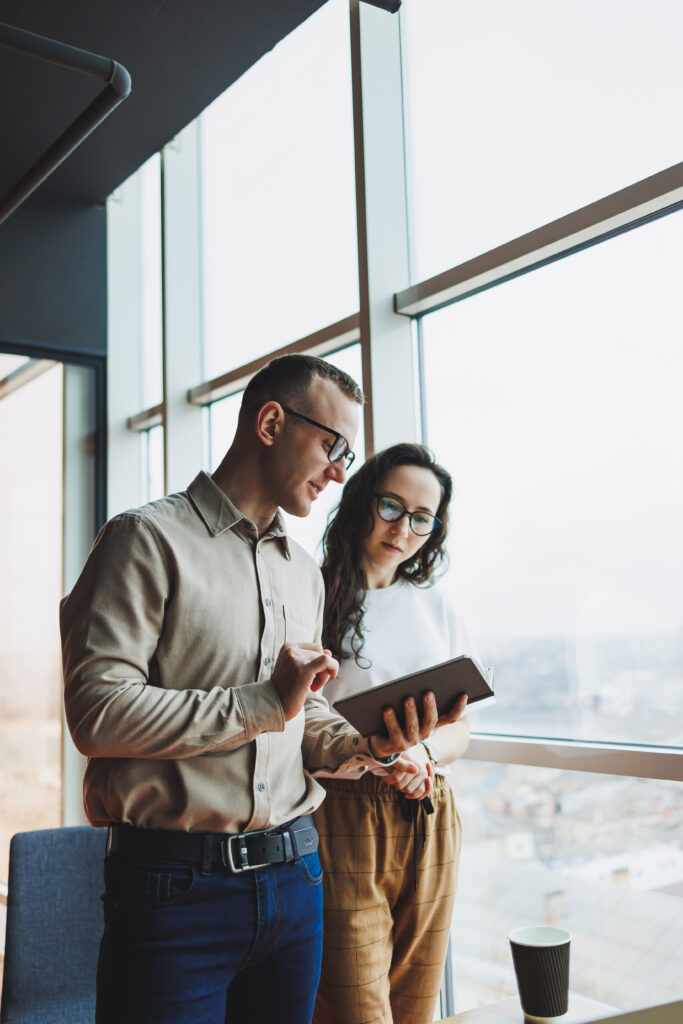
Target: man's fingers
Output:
[
  {"x": 454, "y": 713},
  {"x": 320, "y": 680},
  {"x": 323, "y": 663},
  {"x": 411, "y": 727},
  {"x": 398, "y": 739},
  {"x": 415, "y": 726},
  {"x": 430, "y": 716}
]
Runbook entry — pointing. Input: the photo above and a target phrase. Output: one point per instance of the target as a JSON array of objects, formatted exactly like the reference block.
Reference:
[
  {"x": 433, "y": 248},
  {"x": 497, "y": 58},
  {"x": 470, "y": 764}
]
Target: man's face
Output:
[{"x": 301, "y": 468}]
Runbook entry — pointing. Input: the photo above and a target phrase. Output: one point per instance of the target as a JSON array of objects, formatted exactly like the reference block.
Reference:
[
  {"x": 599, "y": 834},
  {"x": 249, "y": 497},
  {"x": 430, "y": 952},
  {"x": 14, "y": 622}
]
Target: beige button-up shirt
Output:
[{"x": 169, "y": 640}]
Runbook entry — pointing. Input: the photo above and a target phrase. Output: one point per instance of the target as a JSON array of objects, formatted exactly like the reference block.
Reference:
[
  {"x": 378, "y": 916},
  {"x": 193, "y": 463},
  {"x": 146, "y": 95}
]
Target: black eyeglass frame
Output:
[
  {"x": 405, "y": 512},
  {"x": 345, "y": 452}
]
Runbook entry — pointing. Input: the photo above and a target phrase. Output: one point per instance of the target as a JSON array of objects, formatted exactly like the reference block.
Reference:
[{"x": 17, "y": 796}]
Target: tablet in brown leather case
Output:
[{"x": 447, "y": 682}]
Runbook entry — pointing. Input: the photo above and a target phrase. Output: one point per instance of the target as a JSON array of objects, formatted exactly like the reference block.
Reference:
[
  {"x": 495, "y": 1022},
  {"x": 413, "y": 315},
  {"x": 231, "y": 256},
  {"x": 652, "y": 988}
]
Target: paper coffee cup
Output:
[{"x": 541, "y": 959}]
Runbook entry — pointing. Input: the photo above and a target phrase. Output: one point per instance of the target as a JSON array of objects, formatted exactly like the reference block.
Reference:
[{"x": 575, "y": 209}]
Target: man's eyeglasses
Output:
[
  {"x": 391, "y": 510},
  {"x": 339, "y": 449}
]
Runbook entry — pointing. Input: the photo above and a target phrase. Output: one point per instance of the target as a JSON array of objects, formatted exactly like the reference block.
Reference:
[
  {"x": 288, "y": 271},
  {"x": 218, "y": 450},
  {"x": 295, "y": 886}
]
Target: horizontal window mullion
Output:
[
  {"x": 330, "y": 339},
  {"x": 634, "y": 205},
  {"x": 148, "y": 418},
  {"x": 23, "y": 375},
  {"x": 664, "y": 763}
]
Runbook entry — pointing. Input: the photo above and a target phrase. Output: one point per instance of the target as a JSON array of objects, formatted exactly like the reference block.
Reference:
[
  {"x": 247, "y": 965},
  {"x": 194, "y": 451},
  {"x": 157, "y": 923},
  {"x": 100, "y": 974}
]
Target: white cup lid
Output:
[{"x": 539, "y": 935}]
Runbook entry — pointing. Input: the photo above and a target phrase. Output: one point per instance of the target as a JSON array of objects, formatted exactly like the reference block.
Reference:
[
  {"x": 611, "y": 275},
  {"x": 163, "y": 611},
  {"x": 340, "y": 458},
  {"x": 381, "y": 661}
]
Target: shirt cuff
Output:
[
  {"x": 360, "y": 758},
  {"x": 261, "y": 708}
]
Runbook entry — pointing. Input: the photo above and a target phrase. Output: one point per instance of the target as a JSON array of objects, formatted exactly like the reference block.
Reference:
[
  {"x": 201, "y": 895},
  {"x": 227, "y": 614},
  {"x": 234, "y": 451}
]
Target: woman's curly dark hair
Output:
[{"x": 350, "y": 524}]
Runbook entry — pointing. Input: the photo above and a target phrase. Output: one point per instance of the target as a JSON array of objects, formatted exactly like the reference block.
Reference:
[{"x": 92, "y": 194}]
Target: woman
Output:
[{"x": 390, "y": 875}]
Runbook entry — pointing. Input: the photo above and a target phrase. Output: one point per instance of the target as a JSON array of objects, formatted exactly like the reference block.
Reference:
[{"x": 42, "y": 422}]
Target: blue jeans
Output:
[{"x": 180, "y": 947}]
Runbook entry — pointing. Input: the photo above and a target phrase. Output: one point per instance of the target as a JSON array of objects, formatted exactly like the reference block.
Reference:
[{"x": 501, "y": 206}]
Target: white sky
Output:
[{"x": 553, "y": 399}]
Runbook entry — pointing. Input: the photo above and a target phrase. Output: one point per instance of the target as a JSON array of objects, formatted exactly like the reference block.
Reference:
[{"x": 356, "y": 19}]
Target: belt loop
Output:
[{"x": 207, "y": 845}]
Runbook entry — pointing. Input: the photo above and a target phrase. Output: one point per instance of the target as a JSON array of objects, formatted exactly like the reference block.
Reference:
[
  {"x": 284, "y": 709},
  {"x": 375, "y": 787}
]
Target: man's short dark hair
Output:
[{"x": 288, "y": 380}]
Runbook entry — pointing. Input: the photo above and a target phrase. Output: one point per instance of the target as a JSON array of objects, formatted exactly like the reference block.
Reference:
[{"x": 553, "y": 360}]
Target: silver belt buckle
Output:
[{"x": 228, "y": 856}]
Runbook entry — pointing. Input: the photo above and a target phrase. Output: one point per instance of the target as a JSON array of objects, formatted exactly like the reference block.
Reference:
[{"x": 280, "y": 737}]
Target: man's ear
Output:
[{"x": 270, "y": 421}]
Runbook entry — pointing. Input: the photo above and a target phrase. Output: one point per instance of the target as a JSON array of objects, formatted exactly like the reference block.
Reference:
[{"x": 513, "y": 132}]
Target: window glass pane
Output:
[
  {"x": 309, "y": 531},
  {"x": 153, "y": 463},
  {"x": 31, "y": 463},
  {"x": 519, "y": 113},
  {"x": 555, "y": 401},
  {"x": 598, "y": 855},
  {"x": 306, "y": 531},
  {"x": 223, "y": 424},
  {"x": 151, "y": 290},
  {"x": 278, "y": 197},
  {"x": 8, "y": 364}
]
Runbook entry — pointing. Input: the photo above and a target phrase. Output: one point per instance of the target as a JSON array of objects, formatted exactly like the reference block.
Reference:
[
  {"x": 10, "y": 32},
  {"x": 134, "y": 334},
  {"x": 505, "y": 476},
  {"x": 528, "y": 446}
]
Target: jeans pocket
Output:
[
  {"x": 310, "y": 868},
  {"x": 155, "y": 886}
]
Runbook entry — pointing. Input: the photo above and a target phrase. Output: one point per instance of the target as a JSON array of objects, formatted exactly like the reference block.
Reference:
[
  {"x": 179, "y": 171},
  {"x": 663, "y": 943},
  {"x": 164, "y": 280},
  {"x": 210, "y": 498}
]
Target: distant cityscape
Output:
[
  {"x": 600, "y": 855},
  {"x": 612, "y": 689}
]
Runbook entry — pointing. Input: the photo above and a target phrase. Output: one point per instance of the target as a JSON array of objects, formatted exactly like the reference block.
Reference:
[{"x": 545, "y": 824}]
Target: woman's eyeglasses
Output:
[{"x": 391, "y": 510}]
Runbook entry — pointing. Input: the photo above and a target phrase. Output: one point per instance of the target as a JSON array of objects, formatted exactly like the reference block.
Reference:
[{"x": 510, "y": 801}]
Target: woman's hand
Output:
[
  {"x": 413, "y": 786},
  {"x": 414, "y": 729}
]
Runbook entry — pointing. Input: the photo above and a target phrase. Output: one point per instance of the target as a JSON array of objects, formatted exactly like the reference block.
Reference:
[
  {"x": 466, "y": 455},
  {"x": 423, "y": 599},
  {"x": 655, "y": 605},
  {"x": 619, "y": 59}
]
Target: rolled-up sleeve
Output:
[{"x": 111, "y": 625}]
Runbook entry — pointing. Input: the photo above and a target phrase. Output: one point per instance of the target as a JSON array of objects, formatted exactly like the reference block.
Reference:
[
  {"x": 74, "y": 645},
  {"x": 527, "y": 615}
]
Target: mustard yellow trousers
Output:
[{"x": 384, "y": 942}]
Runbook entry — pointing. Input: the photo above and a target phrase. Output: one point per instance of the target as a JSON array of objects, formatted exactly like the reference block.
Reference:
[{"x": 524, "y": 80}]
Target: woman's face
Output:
[{"x": 389, "y": 544}]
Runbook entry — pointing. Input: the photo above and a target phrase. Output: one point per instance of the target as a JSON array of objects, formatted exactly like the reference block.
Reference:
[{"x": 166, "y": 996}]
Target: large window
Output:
[
  {"x": 552, "y": 396},
  {"x": 31, "y": 455},
  {"x": 598, "y": 855},
  {"x": 278, "y": 200},
  {"x": 554, "y": 399},
  {"x": 519, "y": 113}
]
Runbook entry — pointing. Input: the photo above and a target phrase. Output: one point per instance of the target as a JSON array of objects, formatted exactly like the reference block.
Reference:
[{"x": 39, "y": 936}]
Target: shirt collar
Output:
[{"x": 219, "y": 513}]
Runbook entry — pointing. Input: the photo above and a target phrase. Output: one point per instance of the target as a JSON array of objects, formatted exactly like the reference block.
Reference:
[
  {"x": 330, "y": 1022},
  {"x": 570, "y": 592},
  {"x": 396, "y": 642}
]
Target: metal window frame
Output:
[
  {"x": 23, "y": 375},
  {"x": 630, "y": 207},
  {"x": 332, "y": 338},
  {"x": 637, "y": 760}
]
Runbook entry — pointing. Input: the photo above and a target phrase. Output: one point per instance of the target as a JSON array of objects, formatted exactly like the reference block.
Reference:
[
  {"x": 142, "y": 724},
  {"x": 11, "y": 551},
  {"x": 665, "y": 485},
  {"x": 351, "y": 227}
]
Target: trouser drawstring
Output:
[{"x": 411, "y": 810}]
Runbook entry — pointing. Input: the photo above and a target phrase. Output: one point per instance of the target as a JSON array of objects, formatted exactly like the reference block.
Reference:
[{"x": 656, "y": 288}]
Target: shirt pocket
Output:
[{"x": 298, "y": 628}]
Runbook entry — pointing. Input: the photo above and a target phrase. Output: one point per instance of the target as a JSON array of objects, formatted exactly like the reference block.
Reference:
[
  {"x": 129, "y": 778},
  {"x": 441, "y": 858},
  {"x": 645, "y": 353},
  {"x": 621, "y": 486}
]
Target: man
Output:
[{"x": 192, "y": 665}]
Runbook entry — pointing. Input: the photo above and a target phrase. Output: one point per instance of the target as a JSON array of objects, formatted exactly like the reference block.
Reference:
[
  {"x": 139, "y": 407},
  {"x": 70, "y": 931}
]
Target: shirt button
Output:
[
  {"x": 267, "y": 602},
  {"x": 261, "y": 786},
  {"x": 267, "y": 661}
]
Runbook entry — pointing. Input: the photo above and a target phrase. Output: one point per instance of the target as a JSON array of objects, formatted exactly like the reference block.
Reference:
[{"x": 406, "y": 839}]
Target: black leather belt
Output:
[{"x": 243, "y": 851}]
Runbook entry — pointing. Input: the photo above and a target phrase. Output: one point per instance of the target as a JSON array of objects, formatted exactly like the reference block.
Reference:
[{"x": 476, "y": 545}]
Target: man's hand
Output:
[
  {"x": 416, "y": 782},
  {"x": 414, "y": 729},
  {"x": 299, "y": 669}
]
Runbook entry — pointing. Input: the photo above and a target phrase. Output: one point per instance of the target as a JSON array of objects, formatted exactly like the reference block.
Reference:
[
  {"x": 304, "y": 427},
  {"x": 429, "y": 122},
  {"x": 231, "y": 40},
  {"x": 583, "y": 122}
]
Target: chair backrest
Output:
[{"x": 54, "y": 926}]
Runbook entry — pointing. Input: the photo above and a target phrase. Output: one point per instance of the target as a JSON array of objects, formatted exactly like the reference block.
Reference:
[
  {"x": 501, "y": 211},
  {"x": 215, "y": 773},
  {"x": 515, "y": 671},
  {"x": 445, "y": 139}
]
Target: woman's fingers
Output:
[{"x": 418, "y": 786}]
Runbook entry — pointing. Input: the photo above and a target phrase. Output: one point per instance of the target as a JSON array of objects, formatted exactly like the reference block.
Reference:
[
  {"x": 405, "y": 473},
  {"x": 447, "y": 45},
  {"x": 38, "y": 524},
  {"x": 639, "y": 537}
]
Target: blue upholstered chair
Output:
[{"x": 54, "y": 926}]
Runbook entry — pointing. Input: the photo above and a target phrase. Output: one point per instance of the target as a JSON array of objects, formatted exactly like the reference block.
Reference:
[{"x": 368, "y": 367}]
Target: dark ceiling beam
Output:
[{"x": 117, "y": 87}]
